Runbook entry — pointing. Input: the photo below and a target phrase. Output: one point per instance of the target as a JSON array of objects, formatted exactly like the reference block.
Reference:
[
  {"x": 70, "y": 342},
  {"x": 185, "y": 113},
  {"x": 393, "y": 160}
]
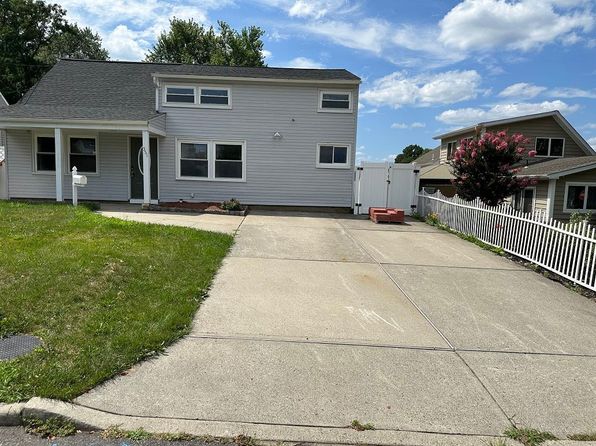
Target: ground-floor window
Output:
[
  {"x": 523, "y": 200},
  {"x": 82, "y": 153},
  {"x": 580, "y": 197},
  {"x": 211, "y": 160},
  {"x": 45, "y": 154}
]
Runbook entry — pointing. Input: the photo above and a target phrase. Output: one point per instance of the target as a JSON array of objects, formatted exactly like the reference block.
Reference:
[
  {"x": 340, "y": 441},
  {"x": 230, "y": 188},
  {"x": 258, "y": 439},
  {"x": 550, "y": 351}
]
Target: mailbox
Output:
[{"x": 79, "y": 180}]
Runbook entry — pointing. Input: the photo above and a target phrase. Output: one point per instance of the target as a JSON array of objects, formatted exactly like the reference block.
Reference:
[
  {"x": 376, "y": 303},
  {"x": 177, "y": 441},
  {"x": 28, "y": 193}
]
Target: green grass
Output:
[
  {"x": 49, "y": 428},
  {"x": 101, "y": 293},
  {"x": 529, "y": 437},
  {"x": 357, "y": 425}
]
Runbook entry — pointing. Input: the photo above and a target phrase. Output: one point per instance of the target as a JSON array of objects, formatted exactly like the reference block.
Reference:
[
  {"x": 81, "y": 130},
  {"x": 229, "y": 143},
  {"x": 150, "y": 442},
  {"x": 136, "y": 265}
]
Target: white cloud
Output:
[
  {"x": 129, "y": 27},
  {"x": 397, "y": 90},
  {"x": 522, "y": 90},
  {"x": 522, "y": 25},
  {"x": 316, "y": 8},
  {"x": 592, "y": 142},
  {"x": 403, "y": 125},
  {"x": 267, "y": 54},
  {"x": 573, "y": 93},
  {"x": 468, "y": 116},
  {"x": 304, "y": 62},
  {"x": 589, "y": 126}
]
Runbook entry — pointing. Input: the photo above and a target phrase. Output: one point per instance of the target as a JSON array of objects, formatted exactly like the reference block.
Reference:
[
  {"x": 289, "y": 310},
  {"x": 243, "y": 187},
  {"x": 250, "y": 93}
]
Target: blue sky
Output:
[{"x": 427, "y": 66}]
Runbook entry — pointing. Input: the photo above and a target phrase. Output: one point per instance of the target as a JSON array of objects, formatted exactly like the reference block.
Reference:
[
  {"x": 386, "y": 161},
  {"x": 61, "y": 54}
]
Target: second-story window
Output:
[
  {"x": 335, "y": 101},
  {"x": 215, "y": 96},
  {"x": 549, "y": 146},
  {"x": 180, "y": 95},
  {"x": 451, "y": 148}
]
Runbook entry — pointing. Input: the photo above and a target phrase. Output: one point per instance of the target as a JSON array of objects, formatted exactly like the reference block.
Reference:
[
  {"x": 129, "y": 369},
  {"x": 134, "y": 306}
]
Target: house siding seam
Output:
[
  {"x": 110, "y": 184},
  {"x": 278, "y": 172}
]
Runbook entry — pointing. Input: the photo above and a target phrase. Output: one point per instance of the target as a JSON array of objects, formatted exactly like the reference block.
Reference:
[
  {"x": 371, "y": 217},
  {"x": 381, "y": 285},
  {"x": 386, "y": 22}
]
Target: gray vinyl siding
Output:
[
  {"x": 278, "y": 172},
  {"x": 588, "y": 176},
  {"x": 159, "y": 123},
  {"x": 110, "y": 184},
  {"x": 541, "y": 197}
]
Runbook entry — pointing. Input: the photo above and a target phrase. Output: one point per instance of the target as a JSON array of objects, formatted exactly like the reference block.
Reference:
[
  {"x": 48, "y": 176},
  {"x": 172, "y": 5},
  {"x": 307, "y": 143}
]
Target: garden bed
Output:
[{"x": 201, "y": 208}]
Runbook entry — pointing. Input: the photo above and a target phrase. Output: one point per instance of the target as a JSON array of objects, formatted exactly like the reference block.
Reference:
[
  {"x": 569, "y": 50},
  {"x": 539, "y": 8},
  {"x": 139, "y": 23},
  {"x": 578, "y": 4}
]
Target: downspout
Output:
[{"x": 157, "y": 86}]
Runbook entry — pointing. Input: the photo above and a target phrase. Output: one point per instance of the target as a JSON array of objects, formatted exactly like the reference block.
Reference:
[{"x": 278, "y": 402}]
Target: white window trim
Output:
[
  {"x": 34, "y": 157},
  {"x": 448, "y": 155},
  {"x": 576, "y": 183},
  {"x": 550, "y": 138},
  {"x": 345, "y": 165},
  {"x": 335, "y": 110},
  {"x": 523, "y": 199},
  {"x": 214, "y": 87},
  {"x": 197, "y": 96},
  {"x": 210, "y": 160},
  {"x": 68, "y": 171}
]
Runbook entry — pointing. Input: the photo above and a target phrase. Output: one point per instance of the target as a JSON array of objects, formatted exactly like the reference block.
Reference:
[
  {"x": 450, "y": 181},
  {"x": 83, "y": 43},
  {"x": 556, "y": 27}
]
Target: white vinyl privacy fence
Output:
[{"x": 563, "y": 248}]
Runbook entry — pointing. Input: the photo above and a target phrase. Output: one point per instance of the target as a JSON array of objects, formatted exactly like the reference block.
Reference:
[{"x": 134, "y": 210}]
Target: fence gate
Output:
[{"x": 385, "y": 185}]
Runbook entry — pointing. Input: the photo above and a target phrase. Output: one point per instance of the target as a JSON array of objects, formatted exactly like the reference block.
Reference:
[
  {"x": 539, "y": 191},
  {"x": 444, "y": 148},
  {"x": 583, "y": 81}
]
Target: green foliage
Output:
[
  {"x": 579, "y": 217},
  {"x": 410, "y": 153},
  {"x": 33, "y": 36},
  {"x": 529, "y": 437},
  {"x": 357, "y": 425},
  {"x": 231, "y": 205},
  {"x": 95, "y": 291},
  {"x": 49, "y": 428},
  {"x": 190, "y": 42}
]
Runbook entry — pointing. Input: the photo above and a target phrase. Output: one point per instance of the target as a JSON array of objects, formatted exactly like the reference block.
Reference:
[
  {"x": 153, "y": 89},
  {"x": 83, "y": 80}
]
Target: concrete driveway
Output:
[{"x": 317, "y": 320}]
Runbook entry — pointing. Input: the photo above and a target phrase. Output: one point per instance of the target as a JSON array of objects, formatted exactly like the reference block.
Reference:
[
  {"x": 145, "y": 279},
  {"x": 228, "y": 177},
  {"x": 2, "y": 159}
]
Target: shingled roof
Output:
[
  {"x": 98, "y": 90},
  {"x": 558, "y": 166}
]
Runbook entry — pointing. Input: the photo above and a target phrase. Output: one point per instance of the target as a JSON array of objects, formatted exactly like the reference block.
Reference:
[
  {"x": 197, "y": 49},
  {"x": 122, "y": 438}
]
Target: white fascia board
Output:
[
  {"x": 78, "y": 124},
  {"x": 253, "y": 79}
]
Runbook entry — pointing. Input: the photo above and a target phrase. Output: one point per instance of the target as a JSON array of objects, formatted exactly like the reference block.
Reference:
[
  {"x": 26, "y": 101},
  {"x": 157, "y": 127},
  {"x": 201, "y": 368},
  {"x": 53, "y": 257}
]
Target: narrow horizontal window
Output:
[
  {"x": 194, "y": 160},
  {"x": 45, "y": 154},
  {"x": 228, "y": 161},
  {"x": 333, "y": 155},
  {"x": 335, "y": 101},
  {"x": 214, "y": 96},
  {"x": 83, "y": 154},
  {"x": 183, "y": 95}
]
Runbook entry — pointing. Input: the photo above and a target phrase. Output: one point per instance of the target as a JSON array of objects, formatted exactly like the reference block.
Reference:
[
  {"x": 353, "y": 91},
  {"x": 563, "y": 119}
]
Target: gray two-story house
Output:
[{"x": 149, "y": 132}]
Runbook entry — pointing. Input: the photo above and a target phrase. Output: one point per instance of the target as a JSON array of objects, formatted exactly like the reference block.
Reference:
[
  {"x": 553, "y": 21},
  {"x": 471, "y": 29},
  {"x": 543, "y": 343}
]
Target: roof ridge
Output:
[{"x": 140, "y": 62}]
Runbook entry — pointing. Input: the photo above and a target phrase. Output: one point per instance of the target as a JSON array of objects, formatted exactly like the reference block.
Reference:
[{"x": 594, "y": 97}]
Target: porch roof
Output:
[
  {"x": 28, "y": 111},
  {"x": 559, "y": 167}
]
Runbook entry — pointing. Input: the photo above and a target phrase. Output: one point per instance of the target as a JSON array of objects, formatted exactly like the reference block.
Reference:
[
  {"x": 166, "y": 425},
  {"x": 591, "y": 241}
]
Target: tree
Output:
[
  {"x": 484, "y": 167},
  {"x": 410, "y": 153},
  {"x": 33, "y": 35},
  {"x": 190, "y": 42}
]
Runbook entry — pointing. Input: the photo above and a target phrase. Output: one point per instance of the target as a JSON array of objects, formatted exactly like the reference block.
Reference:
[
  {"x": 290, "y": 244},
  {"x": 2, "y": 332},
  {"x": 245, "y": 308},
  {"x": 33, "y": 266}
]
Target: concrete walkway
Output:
[{"x": 315, "y": 320}]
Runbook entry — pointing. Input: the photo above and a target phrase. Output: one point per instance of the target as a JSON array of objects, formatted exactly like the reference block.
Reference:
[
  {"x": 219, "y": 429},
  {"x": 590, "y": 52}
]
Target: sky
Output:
[{"x": 427, "y": 66}]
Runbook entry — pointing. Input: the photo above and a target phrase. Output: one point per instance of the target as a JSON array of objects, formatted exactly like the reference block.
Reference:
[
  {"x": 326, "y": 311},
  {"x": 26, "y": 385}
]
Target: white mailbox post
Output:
[{"x": 77, "y": 181}]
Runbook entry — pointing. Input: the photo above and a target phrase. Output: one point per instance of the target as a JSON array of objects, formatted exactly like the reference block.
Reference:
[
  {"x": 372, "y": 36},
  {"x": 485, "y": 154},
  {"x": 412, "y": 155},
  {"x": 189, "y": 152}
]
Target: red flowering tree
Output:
[{"x": 484, "y": 167}]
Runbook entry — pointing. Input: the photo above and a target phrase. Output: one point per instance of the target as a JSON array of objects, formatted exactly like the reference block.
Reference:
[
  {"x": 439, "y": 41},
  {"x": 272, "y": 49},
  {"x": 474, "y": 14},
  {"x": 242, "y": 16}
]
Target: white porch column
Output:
[
  {"x": 550, "y": 198},
  {"x": 58, "y": 157},
  {"x": 146, "y": 169}
]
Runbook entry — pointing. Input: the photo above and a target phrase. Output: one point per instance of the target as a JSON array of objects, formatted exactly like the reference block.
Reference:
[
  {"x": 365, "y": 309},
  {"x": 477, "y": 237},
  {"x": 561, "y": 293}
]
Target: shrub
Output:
[
  {"x": 579, "y": 217},
  {"x": 231, "y": 205},
  {"x": 484, "y": 167}
]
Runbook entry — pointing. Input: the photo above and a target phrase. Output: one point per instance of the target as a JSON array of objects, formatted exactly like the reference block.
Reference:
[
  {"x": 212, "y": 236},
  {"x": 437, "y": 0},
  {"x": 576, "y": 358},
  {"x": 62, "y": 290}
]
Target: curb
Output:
[{"x": 86, "y": 418}]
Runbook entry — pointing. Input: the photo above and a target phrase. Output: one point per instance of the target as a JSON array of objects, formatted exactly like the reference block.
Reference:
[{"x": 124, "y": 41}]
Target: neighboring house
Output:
[
  {"x": 564, "y": 167},
  {"x": 434, "y": 174},
  {"x": 267, "y": 136}
]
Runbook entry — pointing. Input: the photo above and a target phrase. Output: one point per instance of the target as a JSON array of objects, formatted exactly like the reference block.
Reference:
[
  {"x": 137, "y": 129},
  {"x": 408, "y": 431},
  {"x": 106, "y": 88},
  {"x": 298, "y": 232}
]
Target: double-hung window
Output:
[
  {"x": 180, "y": 95},
  {"x": 335, "y": 101},
  {"x": 45, "y": 154},
  {"x": 333, "y": 156},
  {"x": 211, "y": 160},
  {"x": 580, "y": 197},
  {"x": 215, "y": 96},
  {"x": 549, "y": 146},
  {"x": 197, "y": 96},
  {"x": 82, "y": 153}
]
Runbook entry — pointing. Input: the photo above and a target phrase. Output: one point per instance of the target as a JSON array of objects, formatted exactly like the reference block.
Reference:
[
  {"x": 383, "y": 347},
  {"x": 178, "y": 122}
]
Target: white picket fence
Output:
[{"x": 568, "y": 250}]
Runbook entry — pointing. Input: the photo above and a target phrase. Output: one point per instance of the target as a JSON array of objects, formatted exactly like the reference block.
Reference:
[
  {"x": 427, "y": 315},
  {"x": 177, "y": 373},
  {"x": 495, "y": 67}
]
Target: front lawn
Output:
[{"x": 101, "y": 293}]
